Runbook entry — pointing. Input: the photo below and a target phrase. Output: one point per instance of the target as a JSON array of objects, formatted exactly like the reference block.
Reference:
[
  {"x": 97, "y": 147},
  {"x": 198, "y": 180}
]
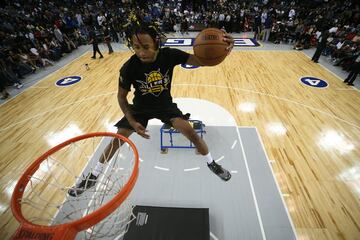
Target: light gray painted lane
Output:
[{"x": 276, "y": 222}]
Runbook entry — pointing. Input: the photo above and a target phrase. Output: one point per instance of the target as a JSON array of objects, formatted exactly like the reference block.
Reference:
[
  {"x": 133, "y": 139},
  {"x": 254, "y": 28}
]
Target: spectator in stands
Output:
[
  {"x": 8, "y": 75},
  {"x": 44, "y": 61},
  {"x": 18, "y": 67},
  {"x": 267, "y": 28},
  {"x": 58, "y": 34},
  {"x": 107, "y": 39},
  {"x": 25, "y": 58},
  {"x": 101, "y": 19},
  {"x": 69, "y": 43},
  {"x": 349, "y": 58},
  {"x": 221, "y": 20},
  {"x": 3, "y": 84},
  {"x": 257, "y": 26},
  {"x": 55, "y": 48},
  {"x": 79, "y": 19},
  {"x": 228, "y": 26},
  {"x": 184, "y": 26}
]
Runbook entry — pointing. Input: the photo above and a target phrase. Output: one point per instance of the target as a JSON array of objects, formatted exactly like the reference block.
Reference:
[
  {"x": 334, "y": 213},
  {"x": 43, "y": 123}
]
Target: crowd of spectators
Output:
[{"x": 35, "y": 33}]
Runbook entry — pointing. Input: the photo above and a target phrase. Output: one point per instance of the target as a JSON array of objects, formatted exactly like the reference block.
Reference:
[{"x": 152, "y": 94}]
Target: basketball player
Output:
[{"x": 150, "y": 71}]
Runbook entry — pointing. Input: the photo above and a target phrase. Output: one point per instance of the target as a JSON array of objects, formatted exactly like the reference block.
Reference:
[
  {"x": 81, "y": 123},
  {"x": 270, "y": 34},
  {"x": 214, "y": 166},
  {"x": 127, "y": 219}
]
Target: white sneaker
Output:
[{"x": 19, "y": 85}]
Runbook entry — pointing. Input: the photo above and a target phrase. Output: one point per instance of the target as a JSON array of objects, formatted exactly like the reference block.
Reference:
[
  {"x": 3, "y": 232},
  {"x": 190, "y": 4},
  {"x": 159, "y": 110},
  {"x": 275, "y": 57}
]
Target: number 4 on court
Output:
[
  {"x": 312, "y": 82},
  {"x": 68, "y": 81}
]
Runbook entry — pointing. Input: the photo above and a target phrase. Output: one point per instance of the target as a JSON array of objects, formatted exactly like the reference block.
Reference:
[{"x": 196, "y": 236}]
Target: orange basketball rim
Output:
[{"x": 29, "y": 230}]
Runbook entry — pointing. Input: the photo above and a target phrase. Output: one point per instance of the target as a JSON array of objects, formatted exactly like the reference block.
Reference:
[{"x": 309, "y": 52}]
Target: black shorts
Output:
[{"x": 144, "y": 116}]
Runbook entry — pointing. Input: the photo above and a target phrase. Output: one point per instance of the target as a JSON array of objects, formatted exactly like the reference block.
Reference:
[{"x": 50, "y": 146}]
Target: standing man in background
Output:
[
  {"x": 94, "y": 42},
  {"x": 354, "y": 71},
  {"x": 320, "y": 46}
]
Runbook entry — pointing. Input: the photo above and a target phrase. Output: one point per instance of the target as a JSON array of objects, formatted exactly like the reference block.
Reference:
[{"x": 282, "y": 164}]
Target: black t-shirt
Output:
[{"x": 152, "y": 81}]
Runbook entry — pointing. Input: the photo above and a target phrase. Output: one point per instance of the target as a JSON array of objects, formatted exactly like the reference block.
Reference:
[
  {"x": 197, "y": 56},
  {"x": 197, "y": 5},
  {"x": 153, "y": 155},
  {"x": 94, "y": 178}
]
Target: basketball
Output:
[{"x": 209, "y": 46}]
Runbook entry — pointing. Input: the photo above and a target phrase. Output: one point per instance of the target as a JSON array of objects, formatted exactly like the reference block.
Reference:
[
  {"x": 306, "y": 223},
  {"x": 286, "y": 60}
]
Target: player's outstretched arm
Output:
[{"x": 124, "y": 105}]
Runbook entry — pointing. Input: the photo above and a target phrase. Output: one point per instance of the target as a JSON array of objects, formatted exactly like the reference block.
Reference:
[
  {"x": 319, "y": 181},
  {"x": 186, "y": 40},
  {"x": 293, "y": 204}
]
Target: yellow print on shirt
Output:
[{"x": 154, "y": 83}]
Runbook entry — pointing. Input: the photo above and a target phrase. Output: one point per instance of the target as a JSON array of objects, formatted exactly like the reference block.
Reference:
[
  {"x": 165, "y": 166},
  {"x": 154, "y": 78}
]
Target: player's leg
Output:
[
  {"x": 186, "y": 129},
  {"x": 352, "y": 79},
  {"x": 114, "y": 145},
  {"x": 125, "y": 129},
  {"x": 94, "y": 51},
  {"x": 351, "y": 74},
  {"x": 355, "y": 70},
  {"x": 89, "y": 180},
  {"x": 98, "y": 50}
]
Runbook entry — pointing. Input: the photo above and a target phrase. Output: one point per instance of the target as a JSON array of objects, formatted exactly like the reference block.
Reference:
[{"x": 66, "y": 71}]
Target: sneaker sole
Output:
[
  {"x": 226, "y": 179},
  {"x": 79, "y": 194}
]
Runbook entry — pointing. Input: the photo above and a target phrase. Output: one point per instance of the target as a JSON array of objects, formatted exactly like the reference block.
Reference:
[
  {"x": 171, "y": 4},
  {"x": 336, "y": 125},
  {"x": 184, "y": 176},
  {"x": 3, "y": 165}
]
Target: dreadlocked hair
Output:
[{"x": 137, "y": 25}]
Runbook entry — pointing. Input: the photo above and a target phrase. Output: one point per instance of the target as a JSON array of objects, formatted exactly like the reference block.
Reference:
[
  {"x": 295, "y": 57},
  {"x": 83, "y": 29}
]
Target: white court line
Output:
[
  {"x": 273, "y": 96},
  {"x": 55, "y": 109},
  {"x": 213, "y": 236},
  {"x": 251, "y": 186},
  {"x": 346, "y": 89},
  {"x": 277, "y": 185},
  {"x": 161, "y": 168},
  {"x": 219, "y": 159},
  {"x": 35, "y": 88},
  {"x": 191, "y": 169},
  {"x": 235, "y": 142}
]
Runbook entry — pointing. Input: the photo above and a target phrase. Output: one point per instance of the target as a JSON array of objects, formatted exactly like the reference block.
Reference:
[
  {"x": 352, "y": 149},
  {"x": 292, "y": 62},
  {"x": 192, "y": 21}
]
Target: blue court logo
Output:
[
  {"x": 180, "y": 42},
  {"x": 188, "y": 42},
  {"x": 187, "y": 66},
  {"x": 314, "y": 82},
  {"x": 245, "y": 42},
  {"x": 67, "y": 81}
]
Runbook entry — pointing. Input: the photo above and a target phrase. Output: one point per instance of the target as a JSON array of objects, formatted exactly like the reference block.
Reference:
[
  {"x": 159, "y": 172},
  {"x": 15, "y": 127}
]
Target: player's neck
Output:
[
  {"x": 154, "y": 58},
  {"x": 156, "y": 55}
]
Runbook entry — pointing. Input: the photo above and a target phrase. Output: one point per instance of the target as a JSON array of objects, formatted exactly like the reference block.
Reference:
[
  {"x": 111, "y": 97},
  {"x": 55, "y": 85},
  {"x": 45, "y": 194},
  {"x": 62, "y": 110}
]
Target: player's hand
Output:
[
  {"x": 228, "y": 39},
  {"x": 140, "y": 129}
]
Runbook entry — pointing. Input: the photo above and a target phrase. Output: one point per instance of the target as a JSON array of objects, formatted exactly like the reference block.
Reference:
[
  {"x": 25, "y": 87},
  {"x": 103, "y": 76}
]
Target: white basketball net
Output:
[{"x": 46, "y": 200}]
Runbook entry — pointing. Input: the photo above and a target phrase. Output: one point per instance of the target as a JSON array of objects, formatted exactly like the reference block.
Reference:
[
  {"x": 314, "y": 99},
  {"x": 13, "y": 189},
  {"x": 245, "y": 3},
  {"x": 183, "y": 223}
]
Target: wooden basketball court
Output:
[{"x": 311, "y": 135}]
